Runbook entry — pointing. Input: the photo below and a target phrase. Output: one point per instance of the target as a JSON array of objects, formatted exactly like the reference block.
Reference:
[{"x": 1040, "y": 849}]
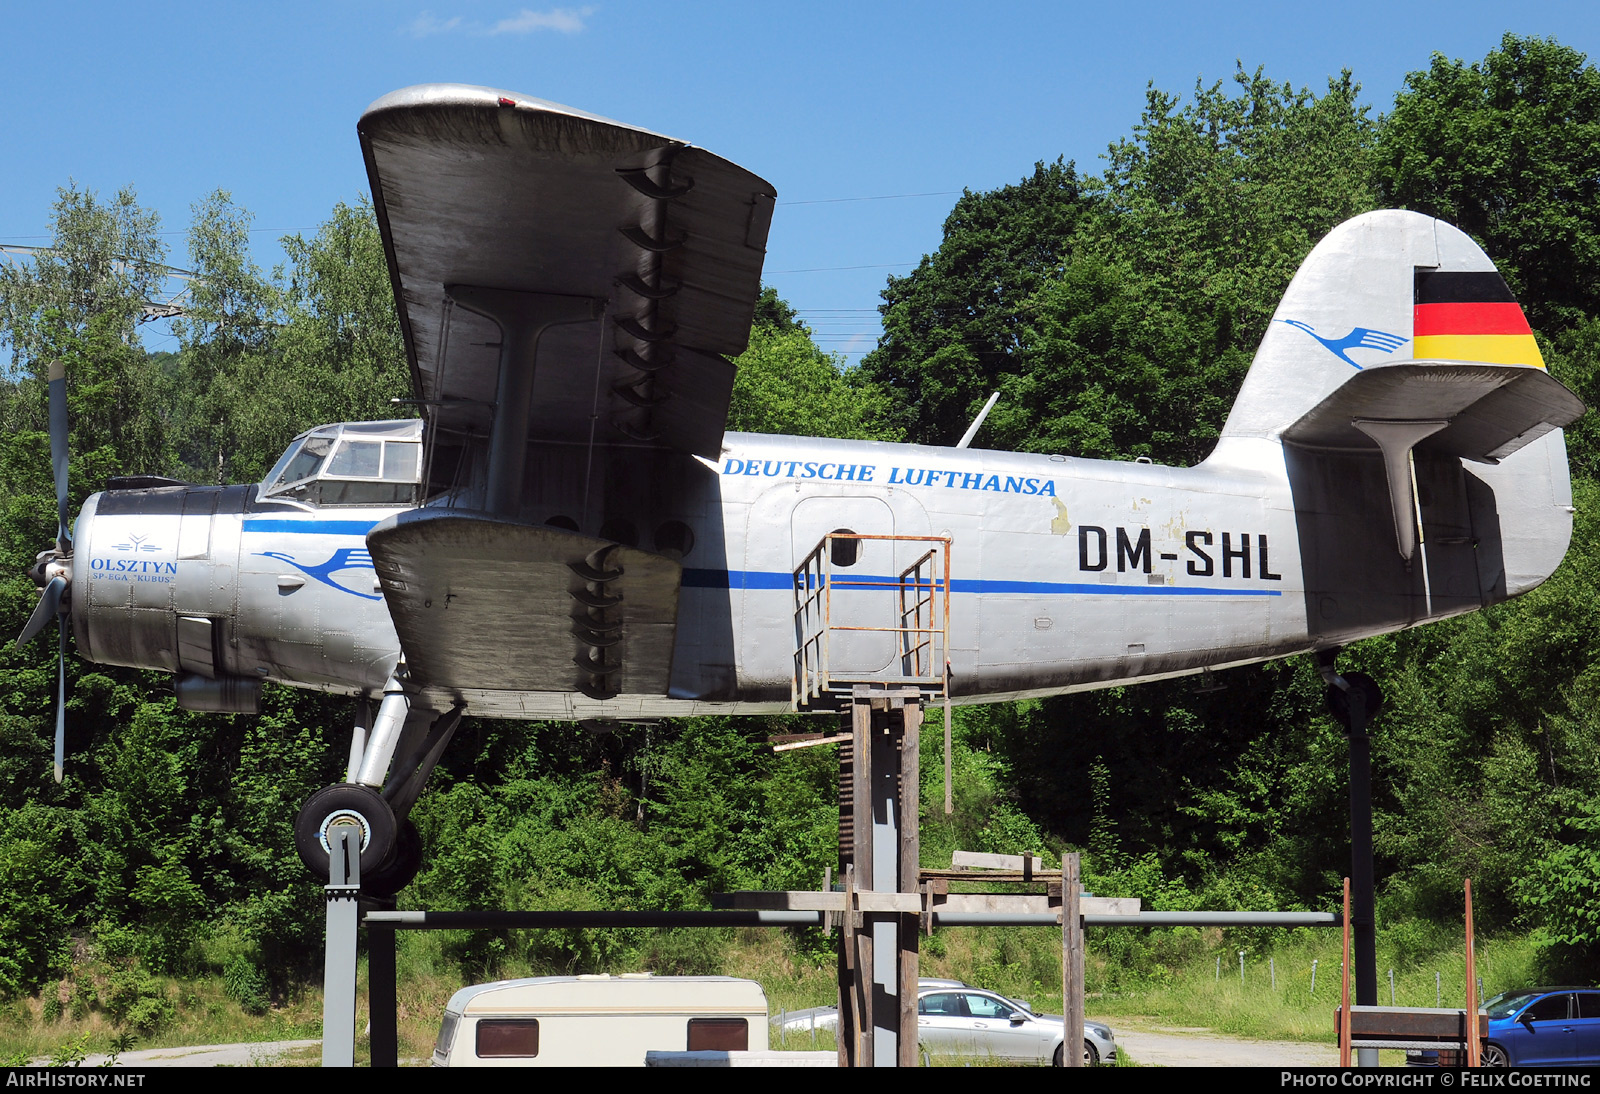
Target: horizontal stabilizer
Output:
[
  {"x": 1491, "y": 410},
  {"x": 487, "y": 604}
]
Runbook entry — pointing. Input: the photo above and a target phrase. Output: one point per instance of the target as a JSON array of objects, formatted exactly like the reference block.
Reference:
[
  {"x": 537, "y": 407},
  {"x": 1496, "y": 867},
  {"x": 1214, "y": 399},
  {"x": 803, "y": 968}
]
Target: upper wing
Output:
[{"x": 480, "y": 187}]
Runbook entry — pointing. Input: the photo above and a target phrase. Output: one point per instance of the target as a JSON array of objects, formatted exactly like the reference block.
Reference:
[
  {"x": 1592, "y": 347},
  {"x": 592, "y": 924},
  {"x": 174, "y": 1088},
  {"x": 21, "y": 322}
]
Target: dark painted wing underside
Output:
[{"x": 536, "y": 197}]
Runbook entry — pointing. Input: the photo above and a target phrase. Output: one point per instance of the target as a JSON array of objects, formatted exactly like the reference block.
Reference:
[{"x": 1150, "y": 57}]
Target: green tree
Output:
[
  {"x": 1137, "y": 343},
  {"x": 104, "y": 258},
  {"x": 1508, "y": 150},
  {"x": 953, "y": 326},
  {"x": 785, "y": 384}
]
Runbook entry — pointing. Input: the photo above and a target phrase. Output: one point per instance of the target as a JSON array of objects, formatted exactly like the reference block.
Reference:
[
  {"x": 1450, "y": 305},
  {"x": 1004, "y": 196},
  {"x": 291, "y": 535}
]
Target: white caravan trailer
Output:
[{"x": 598, "y": 1021}]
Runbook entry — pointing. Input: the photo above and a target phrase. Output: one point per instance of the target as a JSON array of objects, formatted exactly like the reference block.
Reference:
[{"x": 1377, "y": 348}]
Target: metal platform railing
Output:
[{"x": 918, "y": 615}]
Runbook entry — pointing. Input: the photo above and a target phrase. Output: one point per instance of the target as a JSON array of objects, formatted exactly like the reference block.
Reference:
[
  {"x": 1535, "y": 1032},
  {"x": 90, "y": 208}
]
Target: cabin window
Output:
[
  {"x": 674, "y": 539},
  {"x": 843, "y": 551},
  {"x": 722, "y": 1034},
  {"x": 502, "y": 1037},
  {"x": 401, "y": 460},
  {"x": 356, "y": 460},
  {"x": 620, "y": 530}
]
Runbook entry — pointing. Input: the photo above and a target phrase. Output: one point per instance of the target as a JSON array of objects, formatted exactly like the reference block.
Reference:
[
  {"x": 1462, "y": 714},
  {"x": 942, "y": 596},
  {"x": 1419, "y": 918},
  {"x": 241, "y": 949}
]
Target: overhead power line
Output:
[
  {"x": 874, "y": 197},
  {"x": 831, "y": 269}
]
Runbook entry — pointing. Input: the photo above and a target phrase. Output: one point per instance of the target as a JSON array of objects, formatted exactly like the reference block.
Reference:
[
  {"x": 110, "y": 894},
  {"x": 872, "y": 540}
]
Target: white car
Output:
[{"x": 956, "y": 1019}]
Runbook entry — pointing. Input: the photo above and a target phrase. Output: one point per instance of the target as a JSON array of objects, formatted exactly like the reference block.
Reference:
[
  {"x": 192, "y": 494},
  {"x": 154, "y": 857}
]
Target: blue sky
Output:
[{"x": 826, "y": 100}]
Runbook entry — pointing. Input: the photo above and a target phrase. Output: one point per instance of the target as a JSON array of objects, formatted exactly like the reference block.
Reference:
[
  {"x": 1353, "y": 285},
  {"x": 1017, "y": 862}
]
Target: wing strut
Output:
[{"x": 523, "y": 317}]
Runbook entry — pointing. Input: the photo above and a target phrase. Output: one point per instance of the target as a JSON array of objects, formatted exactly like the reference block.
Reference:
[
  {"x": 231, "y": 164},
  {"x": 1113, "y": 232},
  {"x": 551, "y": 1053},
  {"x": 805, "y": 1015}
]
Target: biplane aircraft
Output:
[{"x": 567, "y": 531}]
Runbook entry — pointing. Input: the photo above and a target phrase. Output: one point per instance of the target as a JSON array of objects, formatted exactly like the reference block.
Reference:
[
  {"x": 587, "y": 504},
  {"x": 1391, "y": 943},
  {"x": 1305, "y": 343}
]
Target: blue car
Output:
[{"x": 1543, "y": 1027}]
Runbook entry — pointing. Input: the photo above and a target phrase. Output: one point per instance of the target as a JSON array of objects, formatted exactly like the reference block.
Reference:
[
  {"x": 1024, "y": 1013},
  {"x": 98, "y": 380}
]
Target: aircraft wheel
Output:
[
  {"x": 1339, "y": 702},
  {"x": 347, "y": 803},
  {"x": 396, "y": 874}
]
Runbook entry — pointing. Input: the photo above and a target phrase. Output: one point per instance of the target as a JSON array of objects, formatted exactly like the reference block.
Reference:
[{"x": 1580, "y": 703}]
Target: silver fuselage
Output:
[{"x": 1065, "y": 574}]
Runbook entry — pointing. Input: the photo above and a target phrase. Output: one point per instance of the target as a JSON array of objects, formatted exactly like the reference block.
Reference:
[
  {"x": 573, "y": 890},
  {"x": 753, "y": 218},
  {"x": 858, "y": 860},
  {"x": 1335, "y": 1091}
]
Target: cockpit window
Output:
[
  {"x": 357, "y": 463},
  {"x": 401, "y": 460},
  {"x": 357, "y": 460},
  {"x": 304, "y": 463}
]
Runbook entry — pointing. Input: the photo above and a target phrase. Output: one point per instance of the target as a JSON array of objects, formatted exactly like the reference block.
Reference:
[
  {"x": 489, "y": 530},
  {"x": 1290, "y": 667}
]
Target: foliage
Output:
[
  {"x": 1116, "y": 314},
  {"x": 952, "y": 327},
  {"x": 1508, "y": 150},
  {"x": 246, "y": 985},
  {"x": 785, "y": 384}
]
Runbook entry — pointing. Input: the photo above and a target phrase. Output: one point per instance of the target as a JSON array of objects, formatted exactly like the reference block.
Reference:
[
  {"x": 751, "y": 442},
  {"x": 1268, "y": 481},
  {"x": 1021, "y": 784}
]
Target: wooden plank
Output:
[
  {"x": 1412, "y": 1024},
  {"x": 809, "y": 740},
  {"x": 907, "y": 1049},
  {"x": 910, "y": 795},
  {"x": 1032, "y": 904},
  {"x": 984, "y": 861},
  {"x": 847, "y": 1043},
  {"x": 806, "y": 900},
  {"x": 861, "y": 858},
  {"x": 1474, "y": 1044},
  {"x": 809, "y": 901},
  {"x": 1071, "y": 962},
  {"x": 993, "y": 877}
]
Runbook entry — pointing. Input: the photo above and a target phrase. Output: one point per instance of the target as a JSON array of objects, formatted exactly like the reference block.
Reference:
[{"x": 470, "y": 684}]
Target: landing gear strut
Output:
[{"x": 391, "y": 848}]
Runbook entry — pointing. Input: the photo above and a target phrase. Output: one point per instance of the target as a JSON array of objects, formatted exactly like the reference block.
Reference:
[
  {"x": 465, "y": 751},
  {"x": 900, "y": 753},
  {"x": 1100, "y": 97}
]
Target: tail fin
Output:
[
  {"x": 1384, "y": 288},
  {"x": 1396, "y": 353}
]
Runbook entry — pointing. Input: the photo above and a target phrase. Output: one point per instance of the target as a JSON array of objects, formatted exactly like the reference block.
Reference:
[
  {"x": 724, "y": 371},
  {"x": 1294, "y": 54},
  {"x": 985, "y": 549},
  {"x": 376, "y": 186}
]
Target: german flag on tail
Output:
[{"x": 1470, "y": 317}]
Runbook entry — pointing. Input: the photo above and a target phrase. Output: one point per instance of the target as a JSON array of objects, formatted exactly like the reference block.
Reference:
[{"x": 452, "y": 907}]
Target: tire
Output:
[
  {"x": 1091, "y": 1056},
  {"x": 1058, "y": 1061},
  {"x": 348, "y": 803},
  {"x": 1495, "y": 1056},
  {"x": 396, "y": 874},
  {"x": 1339, "y": 703}
]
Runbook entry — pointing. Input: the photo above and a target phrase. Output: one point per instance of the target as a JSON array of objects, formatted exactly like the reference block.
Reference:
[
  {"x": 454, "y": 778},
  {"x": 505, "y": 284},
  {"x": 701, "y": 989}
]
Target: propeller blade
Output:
[
  {"x": 49, "y": 604},
  {"x": 58, "y": 446},
  {"x": 61, "y": 700}
]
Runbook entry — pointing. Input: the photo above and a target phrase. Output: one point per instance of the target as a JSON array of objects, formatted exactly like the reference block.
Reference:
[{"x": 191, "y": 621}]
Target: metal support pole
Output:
[
  {"x": 910, "y": 732},
  {"x": 339, "y": 963},
  {"x": 1364, "y": 918},
  {"x": 381, "y": 1002}
]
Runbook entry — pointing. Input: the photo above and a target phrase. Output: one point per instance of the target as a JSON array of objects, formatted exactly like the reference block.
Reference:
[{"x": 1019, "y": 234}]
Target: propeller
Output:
[{"x": 52, "y": 569}]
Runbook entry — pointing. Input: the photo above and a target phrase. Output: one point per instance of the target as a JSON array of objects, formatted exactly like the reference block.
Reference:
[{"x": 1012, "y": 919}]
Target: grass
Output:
[
  {"x": 1195, "y": 996},
  {"x": 1022, "y": 963}
]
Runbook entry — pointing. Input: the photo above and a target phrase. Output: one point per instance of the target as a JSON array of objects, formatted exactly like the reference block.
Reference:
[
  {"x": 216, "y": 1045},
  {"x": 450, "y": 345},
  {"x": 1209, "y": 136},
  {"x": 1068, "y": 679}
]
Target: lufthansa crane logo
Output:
[
  {"x": 135, "y": 543},
  {"x": 345, "y": 558},
  {"x": 1358, "y": 338}
]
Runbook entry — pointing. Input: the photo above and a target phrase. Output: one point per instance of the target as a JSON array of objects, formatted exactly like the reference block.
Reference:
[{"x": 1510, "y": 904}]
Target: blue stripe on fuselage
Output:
[
  {"x": 310, "y": 527},
  {"x": 762, "y": 579}
]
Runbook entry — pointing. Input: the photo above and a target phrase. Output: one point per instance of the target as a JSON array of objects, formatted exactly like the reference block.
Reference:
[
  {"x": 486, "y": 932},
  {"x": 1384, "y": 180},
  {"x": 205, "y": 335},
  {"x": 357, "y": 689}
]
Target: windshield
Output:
[
  {"x": 1508, "y": 1003},
  {"x": 303, "y": 463}
]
